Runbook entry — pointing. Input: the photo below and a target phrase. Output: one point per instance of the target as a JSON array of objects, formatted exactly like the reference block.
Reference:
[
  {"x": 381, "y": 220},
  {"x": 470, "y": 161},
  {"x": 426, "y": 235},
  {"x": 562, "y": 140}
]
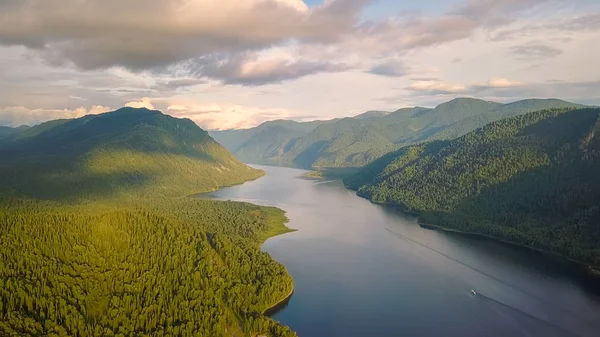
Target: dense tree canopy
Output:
[
  {"x": 355, "y": 142},
  {"x": 99, "y": 238},
  {"x": 531, "y": 179}
]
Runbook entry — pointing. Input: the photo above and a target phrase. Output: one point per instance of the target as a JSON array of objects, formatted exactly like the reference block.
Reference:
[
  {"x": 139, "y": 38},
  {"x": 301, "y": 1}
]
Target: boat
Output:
[{"x": 473, "y": 292}]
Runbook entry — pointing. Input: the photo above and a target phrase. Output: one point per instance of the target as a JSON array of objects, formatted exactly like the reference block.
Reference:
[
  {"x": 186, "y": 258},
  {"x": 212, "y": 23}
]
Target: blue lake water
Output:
[{"x": 360, "y": 269}]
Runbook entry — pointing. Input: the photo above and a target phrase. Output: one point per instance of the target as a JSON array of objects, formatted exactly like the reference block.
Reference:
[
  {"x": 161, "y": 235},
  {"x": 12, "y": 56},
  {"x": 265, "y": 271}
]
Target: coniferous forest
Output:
[
  {"x": 99, "y": 238},
  {"x": 531, "y": 180}
]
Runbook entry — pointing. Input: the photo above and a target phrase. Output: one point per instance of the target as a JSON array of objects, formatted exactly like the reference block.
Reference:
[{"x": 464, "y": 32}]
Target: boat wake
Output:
[{"x": 477, "y": 295}]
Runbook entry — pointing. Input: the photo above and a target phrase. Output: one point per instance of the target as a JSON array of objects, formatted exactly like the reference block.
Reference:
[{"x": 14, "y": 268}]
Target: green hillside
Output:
[
  {"x": 7, "y": 132},
  {"x": 99, "y": 238},
  {"x": 355, "y": 142},
  {"x": 531, "y": 179},
  {"x": 371, "y": 114},
  {"x": 128, "y": 151}
]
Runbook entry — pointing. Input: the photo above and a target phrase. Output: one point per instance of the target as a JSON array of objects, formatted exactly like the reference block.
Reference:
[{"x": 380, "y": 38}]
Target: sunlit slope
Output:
[
  {"x": 355, "y": 142},
  {"x": 127, "y": 151},
  {"x": 531, "y": 179}
]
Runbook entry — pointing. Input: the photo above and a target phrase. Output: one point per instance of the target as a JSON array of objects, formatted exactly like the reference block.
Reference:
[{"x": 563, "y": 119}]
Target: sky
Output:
[{"x": 230, "y": 64}]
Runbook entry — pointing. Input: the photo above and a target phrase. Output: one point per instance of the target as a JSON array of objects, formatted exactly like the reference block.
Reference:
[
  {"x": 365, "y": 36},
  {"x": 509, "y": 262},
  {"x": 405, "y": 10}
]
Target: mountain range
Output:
[
  {"x": 530, "y": 179},
  {"x": 355, "y": 142}
]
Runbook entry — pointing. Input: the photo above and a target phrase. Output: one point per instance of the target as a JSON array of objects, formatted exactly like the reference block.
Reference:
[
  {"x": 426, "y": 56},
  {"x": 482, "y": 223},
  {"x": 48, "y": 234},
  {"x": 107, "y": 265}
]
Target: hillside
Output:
[
  {"x": 100, "y": 240},
  {"x": 371, "y": 114},
  {"x": 530, "y": 179},
  {"x": 355, "y": 142},
  {"x": 8, "y": 132},
  {"x": 128, "y": 151}
]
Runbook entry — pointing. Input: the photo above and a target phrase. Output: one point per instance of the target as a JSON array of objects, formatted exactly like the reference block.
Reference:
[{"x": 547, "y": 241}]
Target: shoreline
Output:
[
  {"x": 593, "y": 271},
  {"x": 589, "y": 268},
  {"x": 275, "y": 307}
]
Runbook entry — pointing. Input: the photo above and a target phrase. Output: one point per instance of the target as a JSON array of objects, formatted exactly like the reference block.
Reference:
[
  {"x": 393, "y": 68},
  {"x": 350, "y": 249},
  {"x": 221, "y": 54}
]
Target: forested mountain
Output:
[
  {"x": 531, "y": 179},
  {"x": 99, "y": 238},
  {"x": 125, "y": 151},
  {"x": 355, "y": 142},
  {"x": 7, "y": 132},
  {"x": 371, "y": 114}
]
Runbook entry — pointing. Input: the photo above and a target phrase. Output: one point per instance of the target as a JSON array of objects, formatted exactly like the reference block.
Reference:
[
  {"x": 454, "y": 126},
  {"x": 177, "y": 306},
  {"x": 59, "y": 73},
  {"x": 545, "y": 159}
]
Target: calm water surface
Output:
[{"x": 362, "y": 270}]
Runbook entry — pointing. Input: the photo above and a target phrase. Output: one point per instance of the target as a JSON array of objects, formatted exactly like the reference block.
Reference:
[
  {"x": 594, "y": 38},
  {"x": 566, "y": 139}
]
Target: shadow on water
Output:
[
  {"x": 360, "y": 269},
  {"x": 560, "y": 331},
  {"x": 279, "y": 306}
]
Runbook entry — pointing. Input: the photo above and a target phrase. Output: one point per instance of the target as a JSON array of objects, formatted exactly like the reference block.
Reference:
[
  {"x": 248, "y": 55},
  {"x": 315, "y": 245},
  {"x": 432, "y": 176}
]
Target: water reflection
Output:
[{"x": 363, "y": 270}]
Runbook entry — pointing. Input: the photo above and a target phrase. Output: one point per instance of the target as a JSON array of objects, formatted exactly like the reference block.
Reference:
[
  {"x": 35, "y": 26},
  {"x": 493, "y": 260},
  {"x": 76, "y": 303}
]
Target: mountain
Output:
[
  {"x": 99, "y": 237},
  {"x": 127, "y": 151},
  {"x": 7, "y": 132},
  {"x": 266, "y": 143},
  {"x": 355, "y": 142},
  {"x": 530, "y": 179},
  {"x": 371, "y": 114}
]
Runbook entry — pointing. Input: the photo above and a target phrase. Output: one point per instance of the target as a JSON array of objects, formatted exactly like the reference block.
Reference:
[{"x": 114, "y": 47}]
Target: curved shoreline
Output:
[
  {"x": 590, "y": 268},
  {"x": 274, "y": 308}
]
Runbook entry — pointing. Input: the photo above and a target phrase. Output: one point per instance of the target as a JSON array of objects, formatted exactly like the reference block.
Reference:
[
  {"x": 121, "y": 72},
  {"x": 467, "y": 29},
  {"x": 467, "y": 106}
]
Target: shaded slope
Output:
[
  {"x": 7, "y": 132},
  {"x": 530, "y": 179},
  {"x": 127, "y": 151},
  {"x": 355, "y": 142}
]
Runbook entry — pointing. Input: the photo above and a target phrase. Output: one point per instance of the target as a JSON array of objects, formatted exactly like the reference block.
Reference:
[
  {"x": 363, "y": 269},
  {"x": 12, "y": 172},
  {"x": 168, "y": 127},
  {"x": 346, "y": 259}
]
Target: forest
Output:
[
  {"x": 353, "y": 142},
  {"x": 531, "y": 180},
  {"x": 100, "y": 237}
]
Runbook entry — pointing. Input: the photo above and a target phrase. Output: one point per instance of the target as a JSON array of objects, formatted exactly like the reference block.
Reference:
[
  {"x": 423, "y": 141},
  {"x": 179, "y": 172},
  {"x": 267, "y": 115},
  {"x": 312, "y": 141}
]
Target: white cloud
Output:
[
  {"x": 437, "y": 86},
  {"x": 501, "y": 83},
  {"x": 19, "y": 115},
  {"x": 225, "y": 116},
  {"x": 143, "y": 103}
]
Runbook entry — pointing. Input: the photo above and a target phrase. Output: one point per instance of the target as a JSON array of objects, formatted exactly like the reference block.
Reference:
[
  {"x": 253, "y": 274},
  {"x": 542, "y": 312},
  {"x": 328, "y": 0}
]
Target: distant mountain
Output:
[
  {"x": 7, "y": 132},
  {"x": 530, "y": 179},
  {"x": 371, "y": 114},
  {"x": 357, "y": 141},
  {"x": 267, "y": 142},
  {"x": 127, "y": 151}
]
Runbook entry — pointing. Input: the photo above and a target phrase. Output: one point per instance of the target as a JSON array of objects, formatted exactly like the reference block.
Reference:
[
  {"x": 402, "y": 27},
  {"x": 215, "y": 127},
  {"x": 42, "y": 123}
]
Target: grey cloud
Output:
[
  {"x": 494, "y": 12},
  {"x": 182, "y": 83},
  {"x": 589, "y": 22},
  {"x": 410, "y": 32},
  {"x": 390, "y": 69},
  {"x": 535, "y": 50},
  {"x": 246, "y": 70},
  {"x": 582, "y": 23},
  {"x": 149, "y": 34}
]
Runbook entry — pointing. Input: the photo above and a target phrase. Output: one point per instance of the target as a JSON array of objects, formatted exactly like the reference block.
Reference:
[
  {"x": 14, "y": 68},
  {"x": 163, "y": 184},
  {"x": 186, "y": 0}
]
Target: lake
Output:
[{"x": 360, "y": 269}]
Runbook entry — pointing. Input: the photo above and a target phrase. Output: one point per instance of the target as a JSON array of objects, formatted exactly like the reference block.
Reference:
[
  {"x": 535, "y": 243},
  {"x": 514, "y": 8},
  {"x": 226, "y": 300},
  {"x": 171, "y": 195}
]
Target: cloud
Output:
[
  {"x": 225, "y": 116},
  {"x": 143, "y": 103},
  {"x": 404, "y": 33},
  {"x": 183, "y": 83},
  {"x": 535, "y": 50},
  {"x": 500, "y": 83},
  {"x": 149, "y": 34},
  {"x": 492, "y": 13},
  {"x": 256, "y": 70},
  {"x": 19, "y": 115},
  {"x": 436, "y": 87},
  {"x": 389, "y": 68},
  {"x": 581, "y": 23}
]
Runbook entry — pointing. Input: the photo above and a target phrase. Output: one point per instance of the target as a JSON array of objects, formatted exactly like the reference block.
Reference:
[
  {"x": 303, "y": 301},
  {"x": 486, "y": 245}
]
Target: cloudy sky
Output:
[{"x": 236, "y": 63}]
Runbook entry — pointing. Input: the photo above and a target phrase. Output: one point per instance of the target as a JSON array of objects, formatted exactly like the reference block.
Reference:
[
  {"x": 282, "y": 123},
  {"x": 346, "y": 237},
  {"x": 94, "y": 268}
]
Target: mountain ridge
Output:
[
  {"x": 136, "y": 150},
  {"x": 328, "y": 146},
  {"x": 522, "y": 179}
]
